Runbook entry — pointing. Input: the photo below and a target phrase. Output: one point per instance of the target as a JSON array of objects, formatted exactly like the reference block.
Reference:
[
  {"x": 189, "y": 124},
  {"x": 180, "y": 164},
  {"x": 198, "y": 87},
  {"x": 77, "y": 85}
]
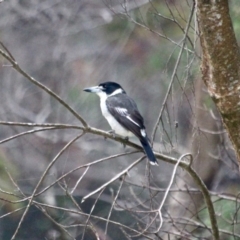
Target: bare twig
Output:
[
  {"x": 158, "y": 212},
  {"x": 41, "y": 180},
  {"x": 173, "y": 74},
  {"x": 15, "y": 65},
  {"x": 168, "y": 189},
  {"x": 91, "y": 225},
  {"x": 94, "y": 217},
  {"x": 113, "y": 203},
  {"x": 93, "y": 131},
  {"x": 26, "y": 133},
  {"x": 58, "y": 225},
  {"x": 113, "y": 179},
  {"x": 93, "y": 207},
  {"x": 79, "y": 180}
]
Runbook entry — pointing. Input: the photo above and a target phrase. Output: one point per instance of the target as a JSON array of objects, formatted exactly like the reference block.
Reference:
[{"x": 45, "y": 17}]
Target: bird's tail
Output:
[{"x": 148, "y": 150}]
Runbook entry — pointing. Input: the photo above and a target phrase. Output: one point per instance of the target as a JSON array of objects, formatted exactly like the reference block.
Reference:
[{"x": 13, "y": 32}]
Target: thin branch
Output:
[
  {"x": 12, "y": 212},
  {"x": 41, "y": 180},
  {"x": 40, "y": 85},
  {"x": 28, "y": 124},
  {"x": 80, "y": 179},
  {"x": 82, "y": 166},
  {"x": 113, "y": 203},
  {"x": 173, "y": 74},
  {"x": 63, "y": 176},
  {"x": 113, "y": 179},
  {"x": 91, "y": 211},
  {"x": 91, "y": 226},
  {"x": 208, "y": 201},
  {"x": 26, "y": 133},
  {"x": 93, "y": 131},
  {"x": 168, "y": 189},
  {"x": 92, "y": 216},
  {"x": 58, "y": 225},
  {"x": 158, "y": 211},
  {"x": 126, "y": 13}
]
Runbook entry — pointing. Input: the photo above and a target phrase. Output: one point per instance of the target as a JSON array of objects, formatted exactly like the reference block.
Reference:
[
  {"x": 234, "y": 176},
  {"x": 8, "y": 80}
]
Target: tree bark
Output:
[{"x": 221, "y": 63}]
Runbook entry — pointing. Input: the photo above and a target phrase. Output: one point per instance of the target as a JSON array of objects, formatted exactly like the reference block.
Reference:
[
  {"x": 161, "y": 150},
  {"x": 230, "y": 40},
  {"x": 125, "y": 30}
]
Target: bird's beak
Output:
[{"x": 94, "y": 89}]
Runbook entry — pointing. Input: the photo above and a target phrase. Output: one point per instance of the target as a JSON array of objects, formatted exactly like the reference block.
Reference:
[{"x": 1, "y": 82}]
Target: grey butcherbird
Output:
[{"x": 122, "y": 114}]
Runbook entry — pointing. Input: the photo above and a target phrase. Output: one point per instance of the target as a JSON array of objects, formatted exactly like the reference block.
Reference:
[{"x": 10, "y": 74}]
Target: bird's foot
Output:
[
  {"x": 125, "y": 141},
  {"x": 113, "y": 133}
]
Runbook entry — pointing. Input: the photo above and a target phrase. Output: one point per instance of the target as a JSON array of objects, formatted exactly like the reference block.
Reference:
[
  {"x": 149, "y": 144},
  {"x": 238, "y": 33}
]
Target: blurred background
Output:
[{"x": 69, "y": 45}]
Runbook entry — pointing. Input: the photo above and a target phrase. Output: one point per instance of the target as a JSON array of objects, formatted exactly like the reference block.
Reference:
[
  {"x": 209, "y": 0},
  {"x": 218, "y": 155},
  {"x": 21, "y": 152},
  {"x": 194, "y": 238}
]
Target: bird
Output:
[{"x": 122, "y": 114}]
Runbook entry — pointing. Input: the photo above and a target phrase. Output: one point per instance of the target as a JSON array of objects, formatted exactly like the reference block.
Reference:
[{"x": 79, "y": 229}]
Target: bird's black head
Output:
[
  {"x": 105, "y": 89},
  {"x": 110, "y": 87}
]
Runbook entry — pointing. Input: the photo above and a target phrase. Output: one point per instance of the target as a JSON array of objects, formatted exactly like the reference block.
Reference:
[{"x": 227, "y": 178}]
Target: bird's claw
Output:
[
  {"x": 112, "y": 132},
  {"x": 125, "y": 141}
]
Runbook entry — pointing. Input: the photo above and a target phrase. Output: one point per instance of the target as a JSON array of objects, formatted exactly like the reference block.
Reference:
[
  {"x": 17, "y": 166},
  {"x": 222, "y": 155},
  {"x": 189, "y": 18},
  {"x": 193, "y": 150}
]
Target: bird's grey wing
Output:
[{"x": 125, "y": 111}]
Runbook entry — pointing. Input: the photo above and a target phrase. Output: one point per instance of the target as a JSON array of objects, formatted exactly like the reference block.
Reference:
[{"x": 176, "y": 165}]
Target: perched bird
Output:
[{"x": 122, "y": 114}]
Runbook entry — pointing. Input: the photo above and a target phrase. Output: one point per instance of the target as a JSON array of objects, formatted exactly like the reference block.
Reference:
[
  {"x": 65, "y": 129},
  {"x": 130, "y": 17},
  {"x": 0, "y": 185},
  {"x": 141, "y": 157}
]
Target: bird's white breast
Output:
[{"x": 115, "y": 125}]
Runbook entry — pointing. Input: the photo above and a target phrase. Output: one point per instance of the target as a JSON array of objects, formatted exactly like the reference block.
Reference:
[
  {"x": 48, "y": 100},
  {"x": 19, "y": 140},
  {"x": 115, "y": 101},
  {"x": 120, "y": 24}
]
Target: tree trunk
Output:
[{"x": 220, "y": 63}]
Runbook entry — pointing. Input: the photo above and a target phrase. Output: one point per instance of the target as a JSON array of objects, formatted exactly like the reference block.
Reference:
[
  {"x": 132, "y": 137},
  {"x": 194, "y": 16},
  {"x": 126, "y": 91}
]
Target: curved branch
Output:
[{"x": 42, "y": 86}]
